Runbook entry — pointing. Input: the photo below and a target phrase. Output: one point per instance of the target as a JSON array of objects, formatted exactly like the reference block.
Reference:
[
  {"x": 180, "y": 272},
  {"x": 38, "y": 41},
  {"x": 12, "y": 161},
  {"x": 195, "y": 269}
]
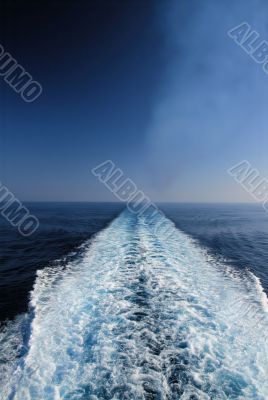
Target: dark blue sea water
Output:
[
  {"x": 235, "y": 232},
  {"x": 63, "y": 227},
  {"x": 101, "y": 306}
]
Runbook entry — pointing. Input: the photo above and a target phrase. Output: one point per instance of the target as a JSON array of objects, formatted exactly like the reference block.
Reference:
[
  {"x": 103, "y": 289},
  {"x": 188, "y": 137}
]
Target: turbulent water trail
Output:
[{"x": 140, "y": 317}]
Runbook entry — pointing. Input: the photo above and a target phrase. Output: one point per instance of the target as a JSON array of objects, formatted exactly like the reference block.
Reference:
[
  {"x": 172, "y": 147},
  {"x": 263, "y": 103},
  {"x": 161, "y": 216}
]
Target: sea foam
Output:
[{"x": 140, "y": 317}]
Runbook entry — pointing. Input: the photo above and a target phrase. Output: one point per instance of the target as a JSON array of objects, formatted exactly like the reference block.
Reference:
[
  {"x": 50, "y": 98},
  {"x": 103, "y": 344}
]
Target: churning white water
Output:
[{"x": 139, "y": 317}]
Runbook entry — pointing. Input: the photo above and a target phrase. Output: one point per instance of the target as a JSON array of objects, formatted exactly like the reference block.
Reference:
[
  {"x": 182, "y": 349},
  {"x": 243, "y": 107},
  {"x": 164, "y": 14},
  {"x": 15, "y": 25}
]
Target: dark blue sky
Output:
[{"x": 157, "y": 87}]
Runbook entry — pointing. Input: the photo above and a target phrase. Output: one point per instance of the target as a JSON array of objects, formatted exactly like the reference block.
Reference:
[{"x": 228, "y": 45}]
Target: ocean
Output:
[{"x": 97, "y": 305}]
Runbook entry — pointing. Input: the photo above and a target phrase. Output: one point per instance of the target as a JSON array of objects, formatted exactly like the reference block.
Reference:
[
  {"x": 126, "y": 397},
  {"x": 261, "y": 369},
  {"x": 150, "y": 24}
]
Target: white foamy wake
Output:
[{"x": 140, "y": 317}]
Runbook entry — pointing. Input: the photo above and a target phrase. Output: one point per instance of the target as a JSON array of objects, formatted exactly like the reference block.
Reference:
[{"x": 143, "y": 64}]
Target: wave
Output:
[{"x": 139, "y": 317}]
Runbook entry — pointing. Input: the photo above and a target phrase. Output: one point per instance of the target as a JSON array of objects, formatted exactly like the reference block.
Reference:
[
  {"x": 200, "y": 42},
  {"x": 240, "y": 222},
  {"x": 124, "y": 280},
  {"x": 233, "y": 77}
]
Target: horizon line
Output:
[{"x": 124, "y": 203}]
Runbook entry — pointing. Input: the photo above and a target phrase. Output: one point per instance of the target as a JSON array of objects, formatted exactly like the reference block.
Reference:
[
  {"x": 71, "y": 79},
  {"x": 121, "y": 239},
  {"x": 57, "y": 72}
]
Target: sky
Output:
[{"x": 158, "y": 87}]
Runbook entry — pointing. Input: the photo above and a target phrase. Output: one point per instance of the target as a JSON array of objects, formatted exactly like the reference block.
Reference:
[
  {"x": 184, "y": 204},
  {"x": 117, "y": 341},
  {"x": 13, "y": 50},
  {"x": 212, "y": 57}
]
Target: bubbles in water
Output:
[{"x": 140, "y": 317}]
